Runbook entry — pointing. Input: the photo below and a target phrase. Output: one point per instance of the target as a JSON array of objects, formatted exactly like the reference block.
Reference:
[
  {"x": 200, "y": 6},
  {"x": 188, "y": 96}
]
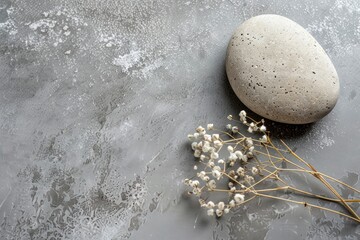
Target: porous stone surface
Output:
[{"x": 279, "y": 71}]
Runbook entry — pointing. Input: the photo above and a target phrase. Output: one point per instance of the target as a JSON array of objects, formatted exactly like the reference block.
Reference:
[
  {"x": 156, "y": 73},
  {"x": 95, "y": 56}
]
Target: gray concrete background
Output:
[{"x": 96, "y": 100}]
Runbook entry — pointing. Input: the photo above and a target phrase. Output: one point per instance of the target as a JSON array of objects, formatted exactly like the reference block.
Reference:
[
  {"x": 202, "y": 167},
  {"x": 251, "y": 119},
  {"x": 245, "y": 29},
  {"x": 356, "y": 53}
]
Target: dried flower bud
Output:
[
  {"x": 221, "y": 206},
  {"x": 254, "y": 170},
  {"x": 210, "y": 212},
  {"x": 214, "y": 155},
  {"x": 210, "y": 204},
  {"x": 197, "y": 153},
  {"x": 262, "y": 128},
  {"x": 219, "y": 213},
  {"x": 210, "y": 126},
  {"x": 211, "y": 184},
  {"x": 232, "y": 203},
  {"x": 239, "y": 198},
  {"x": 235, "y": 129}
]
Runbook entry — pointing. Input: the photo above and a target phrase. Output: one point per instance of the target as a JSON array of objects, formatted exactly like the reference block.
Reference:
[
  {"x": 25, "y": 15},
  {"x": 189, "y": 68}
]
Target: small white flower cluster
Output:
[
  {"x": 254, "y": 126},
  {"x": 221, "y": 208},
  {"x": 207, "y": 148}
]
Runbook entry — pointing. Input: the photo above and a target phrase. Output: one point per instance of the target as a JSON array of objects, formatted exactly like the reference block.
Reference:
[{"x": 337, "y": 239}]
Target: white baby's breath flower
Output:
[
  {"x": 249, "y": 179},
  {"x": 244, "y": 158},
  {"x": 206, "y": 147},
  {"x": 197, "y": 191},
  {"x": 242, "y": 116},
  {"x": 250, "y": 155},
  {"x": 194, "y": 183},
  {"x": 230, "y": 117},
  {"x": 196, "y": 135},
  {"x": 226, "y": 210},
  {"x": 202, "y": 202},
  {"x": 206, "y": 178},
  {"x": 239, "y": 154},
  {"x": 210, "y": 126},
  {"x": 232, "y": 203},
  {"x": 186, "y": 181},
  {"x": 235, "y": 129},
  {"x": 240, "y": 171},
  {"x": 211, "y": 164},
  {"x": 251, "y": 149},
  {"x": 249, "y": 142},
  {"x": 210, "y": 204},
  {"x": 203, "y": 157},
  {"x": 201, "y": 174},
  {"x": 221, "y": 206},
  {"x": 215, "y": 136},
  {"x": 216, "y": 174},
  {"x": 232, "y": 157},
  {"x": 262, "y": 128},
  {"x": 214, "y": 155},
  {"x": 239, "y": 198},
  {"x": 264, "y": 139},
  {"x": 191, "y": 137},
  {"x": 228, "y": 126},
  {"x": 194, "y": 145},
  {"x": 250, "y": 129},
  {"x": 254, "y": 170},
  {"x": 211, "y": 184},
  {"x": 207, "y": 138},
  {"x": 219, "y": 212},
  {"x": 197, "y": 153},
  {"x": 217, "y": 144},
  {"x": 210, "y": 212},
  {"x": 217, "y": 168},
  {"x": 200, "y": 129},
  {"x": 221, "y": 161},
  {"x": 230, "y": 149},
  {"x": 195, "y": 167}
]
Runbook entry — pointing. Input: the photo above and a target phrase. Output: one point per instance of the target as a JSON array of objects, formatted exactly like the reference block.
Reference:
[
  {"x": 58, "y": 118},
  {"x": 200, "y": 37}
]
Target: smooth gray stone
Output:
[{"x": 279, "y": 71}]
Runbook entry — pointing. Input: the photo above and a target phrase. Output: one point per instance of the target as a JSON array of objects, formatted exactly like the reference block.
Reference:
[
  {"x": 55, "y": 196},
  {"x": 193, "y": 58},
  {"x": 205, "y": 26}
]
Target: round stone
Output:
[{"x": 279, "y": 71}]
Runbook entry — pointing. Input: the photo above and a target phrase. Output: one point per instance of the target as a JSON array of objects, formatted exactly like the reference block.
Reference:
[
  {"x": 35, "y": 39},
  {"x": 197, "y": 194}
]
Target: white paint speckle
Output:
[
  {"x": 43, "y": 24},
  {"x": 128, "y": 61}
]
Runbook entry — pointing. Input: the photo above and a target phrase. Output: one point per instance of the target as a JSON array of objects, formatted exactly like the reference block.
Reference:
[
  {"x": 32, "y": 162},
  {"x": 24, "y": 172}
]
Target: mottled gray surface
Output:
[{"x": 96, "y": 99}]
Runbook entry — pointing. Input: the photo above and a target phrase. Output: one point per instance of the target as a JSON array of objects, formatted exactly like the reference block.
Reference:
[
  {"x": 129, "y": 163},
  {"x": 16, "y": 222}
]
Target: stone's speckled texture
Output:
[{"x": 280, "y": 71}]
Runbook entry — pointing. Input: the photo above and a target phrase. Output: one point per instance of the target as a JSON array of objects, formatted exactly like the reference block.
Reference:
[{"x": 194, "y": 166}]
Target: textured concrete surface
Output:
[{"x": 96, "y": 99}]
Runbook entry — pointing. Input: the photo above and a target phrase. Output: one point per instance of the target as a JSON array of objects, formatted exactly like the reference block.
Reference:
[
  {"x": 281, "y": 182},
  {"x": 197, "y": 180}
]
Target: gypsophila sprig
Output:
[{"x": 240, "y": 166}]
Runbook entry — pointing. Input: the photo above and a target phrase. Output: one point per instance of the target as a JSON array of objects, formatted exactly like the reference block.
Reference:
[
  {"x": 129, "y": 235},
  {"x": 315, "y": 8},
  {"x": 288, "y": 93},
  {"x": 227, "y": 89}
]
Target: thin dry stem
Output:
[{"x": 306, "y": 205}]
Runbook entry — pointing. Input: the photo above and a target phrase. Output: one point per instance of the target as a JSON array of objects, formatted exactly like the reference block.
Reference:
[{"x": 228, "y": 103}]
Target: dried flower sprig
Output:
[{"x": 248, "y": 166}]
